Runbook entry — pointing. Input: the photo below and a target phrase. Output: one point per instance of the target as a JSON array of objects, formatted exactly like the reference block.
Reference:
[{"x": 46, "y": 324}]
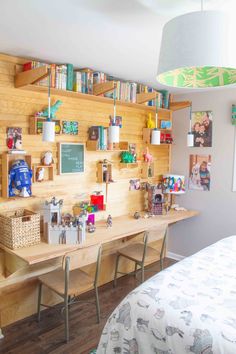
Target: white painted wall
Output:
[{"x": 217, "y": 207}]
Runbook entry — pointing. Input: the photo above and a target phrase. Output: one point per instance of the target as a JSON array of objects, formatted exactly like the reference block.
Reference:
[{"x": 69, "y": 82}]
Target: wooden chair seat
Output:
[
  {"x": 79, "y": 281},
  {"x": 135, "y": 253}
]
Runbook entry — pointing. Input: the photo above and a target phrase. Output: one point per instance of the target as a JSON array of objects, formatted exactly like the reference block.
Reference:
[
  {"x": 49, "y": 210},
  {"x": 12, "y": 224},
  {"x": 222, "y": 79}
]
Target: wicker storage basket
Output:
[{"x": 19, "y": 228}]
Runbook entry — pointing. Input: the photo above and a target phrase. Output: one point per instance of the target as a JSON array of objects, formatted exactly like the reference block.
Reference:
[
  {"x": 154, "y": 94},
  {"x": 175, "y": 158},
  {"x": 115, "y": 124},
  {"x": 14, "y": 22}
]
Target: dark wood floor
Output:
[{"x": 29, "y": 337}]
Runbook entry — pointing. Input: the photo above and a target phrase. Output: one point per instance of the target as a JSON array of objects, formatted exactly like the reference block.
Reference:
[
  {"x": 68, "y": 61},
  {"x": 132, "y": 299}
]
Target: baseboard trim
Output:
[{"x": 174, "y": 256}]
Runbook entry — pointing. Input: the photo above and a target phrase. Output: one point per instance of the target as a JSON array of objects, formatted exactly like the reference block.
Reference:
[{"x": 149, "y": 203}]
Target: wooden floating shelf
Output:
[
  {"x": 128, "y": 165},
  {"x": 27, "y": 79}
]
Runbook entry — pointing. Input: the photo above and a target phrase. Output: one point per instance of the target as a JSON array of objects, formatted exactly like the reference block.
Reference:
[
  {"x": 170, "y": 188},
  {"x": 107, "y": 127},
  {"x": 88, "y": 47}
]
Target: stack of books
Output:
[{"x": 64, "y": 77}]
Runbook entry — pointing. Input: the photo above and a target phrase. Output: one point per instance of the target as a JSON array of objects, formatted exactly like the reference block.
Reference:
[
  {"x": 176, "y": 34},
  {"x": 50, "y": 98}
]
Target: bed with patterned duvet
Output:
[{"x": 189, "y": 307}]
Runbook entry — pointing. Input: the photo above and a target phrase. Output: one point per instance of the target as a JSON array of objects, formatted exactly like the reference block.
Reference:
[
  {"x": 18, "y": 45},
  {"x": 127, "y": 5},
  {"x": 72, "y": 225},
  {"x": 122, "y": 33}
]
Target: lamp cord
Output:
[
  {"x": 156, "y": 111},
  {"x": 49, "y": 94},
  {"x": 114, "y": 112},
  {"x": 190, "y": 119}
]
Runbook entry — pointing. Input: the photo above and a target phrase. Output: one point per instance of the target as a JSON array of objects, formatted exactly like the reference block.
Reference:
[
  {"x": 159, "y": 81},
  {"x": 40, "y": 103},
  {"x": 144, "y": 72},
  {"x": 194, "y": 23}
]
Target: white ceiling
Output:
[{"x": 120, "y": 37}]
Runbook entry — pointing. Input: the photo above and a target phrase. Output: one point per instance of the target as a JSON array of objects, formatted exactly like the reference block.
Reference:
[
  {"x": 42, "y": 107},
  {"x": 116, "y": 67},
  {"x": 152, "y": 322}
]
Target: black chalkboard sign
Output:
[{"x": 71, "y": 158}]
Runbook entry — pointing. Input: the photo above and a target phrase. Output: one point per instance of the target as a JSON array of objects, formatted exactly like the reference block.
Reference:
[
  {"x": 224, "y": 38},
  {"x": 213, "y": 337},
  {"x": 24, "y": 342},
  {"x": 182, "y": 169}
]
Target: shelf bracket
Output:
[
  {"x": 145, "y": 97},
  {"x": 31, "y": 76},
  {"x": 99, "y": 89},
  {"x": 175, "y": 106}
]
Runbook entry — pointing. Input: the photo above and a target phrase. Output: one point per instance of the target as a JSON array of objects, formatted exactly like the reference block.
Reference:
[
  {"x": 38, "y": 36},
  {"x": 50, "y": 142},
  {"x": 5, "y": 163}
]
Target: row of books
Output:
[
  {"x": 99, "y": 134},
  {"x": 63, "y": 76}
]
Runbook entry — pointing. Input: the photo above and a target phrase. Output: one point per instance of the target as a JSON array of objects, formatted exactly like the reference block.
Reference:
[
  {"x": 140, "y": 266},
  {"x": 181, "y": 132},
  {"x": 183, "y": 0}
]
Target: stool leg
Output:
[
  {"x": 39, "y": 300},
  {"x": 97, "y": 304},
  {"x": 66, "y": 319},
  {"x": 116, "y": 270}
]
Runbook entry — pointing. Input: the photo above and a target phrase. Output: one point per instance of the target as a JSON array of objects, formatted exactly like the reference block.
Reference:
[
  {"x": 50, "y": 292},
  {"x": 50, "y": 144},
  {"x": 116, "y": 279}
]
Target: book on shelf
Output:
[
  {"x": 100, "y": 134},
  {"x": 63, "y": 76}
]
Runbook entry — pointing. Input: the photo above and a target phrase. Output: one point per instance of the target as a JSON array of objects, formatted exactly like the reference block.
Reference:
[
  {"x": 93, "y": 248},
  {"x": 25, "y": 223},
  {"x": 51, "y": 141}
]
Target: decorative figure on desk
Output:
[
  {"x": 53, "y": 110},
  {"x": 91, "y": 228},
  {"x": 150, "y": 122},
  {"x": 40, "y": 174},
  {"x": 137, "y": 215},
  {"x": 147, "y": 156},
  {"x": 20, "y": 176},
  {"x": 47, "y": 159},
  {"x": 109, "y": 221}
]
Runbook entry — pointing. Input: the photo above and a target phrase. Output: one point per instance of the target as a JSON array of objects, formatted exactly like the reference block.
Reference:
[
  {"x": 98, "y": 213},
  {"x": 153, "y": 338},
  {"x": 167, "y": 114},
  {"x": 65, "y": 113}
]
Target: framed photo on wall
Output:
[
  {"x": 200, "y": 172},
  {"x": 202, "y": 128}
]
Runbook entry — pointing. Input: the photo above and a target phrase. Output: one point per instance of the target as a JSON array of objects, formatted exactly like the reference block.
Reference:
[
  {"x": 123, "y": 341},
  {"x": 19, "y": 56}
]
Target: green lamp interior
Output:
[{"x": 198, "y": 77}]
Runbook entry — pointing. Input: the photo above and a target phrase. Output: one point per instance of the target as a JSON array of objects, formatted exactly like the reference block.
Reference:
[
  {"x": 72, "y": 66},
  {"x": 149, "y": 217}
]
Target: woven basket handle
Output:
[{"x": 26, "y": 218}]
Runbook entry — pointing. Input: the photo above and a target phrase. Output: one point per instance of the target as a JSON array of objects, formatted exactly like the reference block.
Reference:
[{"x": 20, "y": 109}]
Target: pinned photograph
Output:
[
  {"x": 200, "y": 172},
  {"x": 202, "y": 128},
  {"x": 134, "y": 184},
  {"x": 14, "y": 138}
]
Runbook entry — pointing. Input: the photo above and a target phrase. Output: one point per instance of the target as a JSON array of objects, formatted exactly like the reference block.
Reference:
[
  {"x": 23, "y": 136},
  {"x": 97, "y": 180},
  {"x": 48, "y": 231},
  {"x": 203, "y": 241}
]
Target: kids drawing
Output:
[{"x": 200, "y": 172}]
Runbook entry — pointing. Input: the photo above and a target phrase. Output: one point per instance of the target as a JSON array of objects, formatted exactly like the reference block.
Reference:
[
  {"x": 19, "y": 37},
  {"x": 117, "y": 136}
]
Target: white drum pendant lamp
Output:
[
  {"x": 195, "y": 51},
  {"x": 156, "y": 134},
  {"x": 190, "y": 136},
  {"x": 114, "y": 130},
  {"x": 49, "y": 125}
]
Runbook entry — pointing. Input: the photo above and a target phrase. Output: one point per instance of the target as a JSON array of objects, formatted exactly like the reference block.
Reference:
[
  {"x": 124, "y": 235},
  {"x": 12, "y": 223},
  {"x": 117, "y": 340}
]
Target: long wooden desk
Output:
[
  {"x": 18, "y": 289},
  {"x": 122, "y": 227}
]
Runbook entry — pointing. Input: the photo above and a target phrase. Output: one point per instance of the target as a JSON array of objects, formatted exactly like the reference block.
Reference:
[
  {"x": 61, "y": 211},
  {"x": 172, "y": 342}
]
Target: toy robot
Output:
[{"x": 20, "y": 176}]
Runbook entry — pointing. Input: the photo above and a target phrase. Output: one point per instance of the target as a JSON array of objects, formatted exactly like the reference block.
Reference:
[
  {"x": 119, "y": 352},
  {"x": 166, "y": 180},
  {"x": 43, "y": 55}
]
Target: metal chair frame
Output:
[
  {"x": 142, "y": 262},
  {"x": 68, "y": 301}
]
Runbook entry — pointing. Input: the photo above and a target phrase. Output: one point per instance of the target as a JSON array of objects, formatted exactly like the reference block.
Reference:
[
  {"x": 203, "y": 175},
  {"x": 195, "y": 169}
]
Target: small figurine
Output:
[
  {"x": 137, "y": 215},
  {"x": 47, "y": 159},
  {"x": 40, "y": 174},
  {"x": 150, "y": 122},
  {"x": 147, "y": 156},
  {"x": 54, "y": 109},
  {"x": 91, "y": 228},
  {"x": 109, "y": 221}
]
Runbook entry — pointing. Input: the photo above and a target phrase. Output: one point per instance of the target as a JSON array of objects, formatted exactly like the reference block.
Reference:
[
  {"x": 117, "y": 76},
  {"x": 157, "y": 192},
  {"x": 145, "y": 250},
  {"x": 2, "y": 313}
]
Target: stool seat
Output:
[
  {"x": 135, "y": 252},
  {"x": 79, "y": 281}
]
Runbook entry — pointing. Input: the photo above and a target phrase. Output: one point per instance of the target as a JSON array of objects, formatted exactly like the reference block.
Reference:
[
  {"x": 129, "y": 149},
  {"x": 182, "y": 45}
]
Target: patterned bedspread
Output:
[{"x": 189, "y": 307}]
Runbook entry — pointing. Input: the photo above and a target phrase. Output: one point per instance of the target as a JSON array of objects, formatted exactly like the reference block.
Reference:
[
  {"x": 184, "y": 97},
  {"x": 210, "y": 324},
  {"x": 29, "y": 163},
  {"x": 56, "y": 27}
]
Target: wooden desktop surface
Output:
[{"x": 123, "y": 226}]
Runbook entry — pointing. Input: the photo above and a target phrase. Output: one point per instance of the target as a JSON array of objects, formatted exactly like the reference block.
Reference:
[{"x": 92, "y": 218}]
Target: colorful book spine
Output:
[{"x": 70, "y": 77}]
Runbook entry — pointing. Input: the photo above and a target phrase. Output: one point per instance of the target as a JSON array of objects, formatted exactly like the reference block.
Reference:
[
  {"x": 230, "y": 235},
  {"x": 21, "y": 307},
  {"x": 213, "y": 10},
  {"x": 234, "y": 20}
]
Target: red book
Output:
[{"x": 27, "y": 66}]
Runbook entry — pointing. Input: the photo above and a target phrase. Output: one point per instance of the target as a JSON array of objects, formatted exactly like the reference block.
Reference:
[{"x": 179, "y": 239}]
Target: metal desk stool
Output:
[
  {"x": 141, "y": 253},
  {"x": 70, "y": 281}
]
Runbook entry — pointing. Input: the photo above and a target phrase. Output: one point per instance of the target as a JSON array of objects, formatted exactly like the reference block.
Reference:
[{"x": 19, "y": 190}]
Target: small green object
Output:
[
  {"x": 234, "y": 114},
  {"x": 127, "y": 157},
  {"x": 54, "y": 109}
]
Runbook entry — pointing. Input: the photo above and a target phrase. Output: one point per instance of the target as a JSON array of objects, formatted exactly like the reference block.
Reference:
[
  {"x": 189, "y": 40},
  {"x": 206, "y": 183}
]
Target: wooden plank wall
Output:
[{"x": 16, "y": 106}]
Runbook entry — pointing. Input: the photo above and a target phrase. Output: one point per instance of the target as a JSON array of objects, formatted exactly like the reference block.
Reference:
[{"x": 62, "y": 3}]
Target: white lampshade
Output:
[
  {"x": 49, "y": 131},
  {"x": 113, "y": 134},
  {"x": 190, "y": 140},
  {"x": 156, "y": 137},
  {"x": 196, "y": 51}
]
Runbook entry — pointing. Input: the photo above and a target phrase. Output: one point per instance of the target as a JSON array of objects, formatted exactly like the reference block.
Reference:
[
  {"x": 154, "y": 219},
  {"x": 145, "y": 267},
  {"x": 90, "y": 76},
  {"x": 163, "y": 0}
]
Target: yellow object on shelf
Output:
[{"x": 150, "y": 122}]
